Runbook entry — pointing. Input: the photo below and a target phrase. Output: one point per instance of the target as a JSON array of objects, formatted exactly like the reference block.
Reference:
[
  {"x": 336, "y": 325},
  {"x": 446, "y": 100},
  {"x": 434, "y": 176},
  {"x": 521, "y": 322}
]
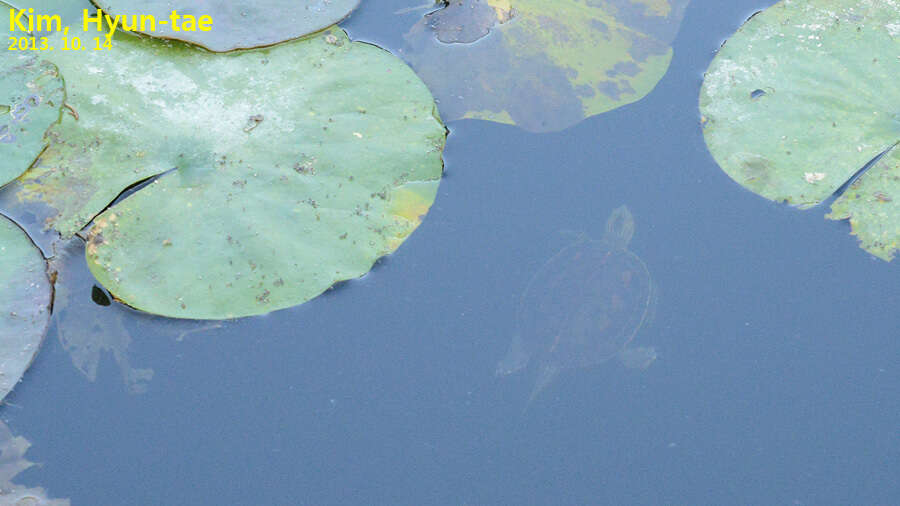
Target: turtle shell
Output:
[{"x": 584, "y": 305}]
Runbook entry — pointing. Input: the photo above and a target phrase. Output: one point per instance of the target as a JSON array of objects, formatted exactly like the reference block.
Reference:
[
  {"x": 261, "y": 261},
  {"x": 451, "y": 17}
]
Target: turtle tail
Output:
[{"x": 546, "y": 374}]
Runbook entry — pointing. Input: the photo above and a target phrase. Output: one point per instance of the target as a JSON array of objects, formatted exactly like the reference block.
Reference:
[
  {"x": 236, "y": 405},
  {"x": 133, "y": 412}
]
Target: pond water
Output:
[{"x": 777, "y": 380}]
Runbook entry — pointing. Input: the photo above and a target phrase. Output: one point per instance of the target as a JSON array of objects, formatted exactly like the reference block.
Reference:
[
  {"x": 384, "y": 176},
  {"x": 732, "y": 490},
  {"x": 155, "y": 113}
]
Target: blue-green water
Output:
[{"x": 777, "y": 381}]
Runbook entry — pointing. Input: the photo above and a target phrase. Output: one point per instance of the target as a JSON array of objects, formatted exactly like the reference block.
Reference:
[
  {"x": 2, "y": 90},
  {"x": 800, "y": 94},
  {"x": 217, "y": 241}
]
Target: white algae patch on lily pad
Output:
[
  {"x": 543, "y": 65},
  {"x": 224, "y": 25},
  {"x": 801, "y": 98},
  {"x": 295, "y": 166},
  {"x": 25, "y": 296}
]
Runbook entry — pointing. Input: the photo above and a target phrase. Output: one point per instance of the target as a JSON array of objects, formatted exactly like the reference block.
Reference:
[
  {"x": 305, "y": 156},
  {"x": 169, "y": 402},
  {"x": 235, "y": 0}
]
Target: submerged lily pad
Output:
[
  {"x": 297, "y": 166},
  {"x": 85, "y": 328},
  {"x": 25, "y": 299},
  {"x": 31, "y": 96},
  {"x": 543, "y": 65},
  {"x": 801, "y": 98},
  {"x": 90, "y": 326},
  {"x": 13, "y": 462},
  {"x": 233, "y": 24}
]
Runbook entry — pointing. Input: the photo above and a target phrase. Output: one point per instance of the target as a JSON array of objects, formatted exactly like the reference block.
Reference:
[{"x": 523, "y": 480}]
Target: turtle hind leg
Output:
[
  {"x": 514, "y": 360},
  {"x": 637, "y": 358}
]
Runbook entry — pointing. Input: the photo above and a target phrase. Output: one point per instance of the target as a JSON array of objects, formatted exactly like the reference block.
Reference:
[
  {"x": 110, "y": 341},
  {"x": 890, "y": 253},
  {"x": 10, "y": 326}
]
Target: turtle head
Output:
[{"x": 619, "y": 228}]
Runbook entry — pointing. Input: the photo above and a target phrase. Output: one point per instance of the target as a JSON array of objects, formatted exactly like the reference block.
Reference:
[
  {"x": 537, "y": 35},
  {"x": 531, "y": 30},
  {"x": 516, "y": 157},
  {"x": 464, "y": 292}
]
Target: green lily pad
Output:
[
  {"x": 31, "y": 96},
  {"x": 24, "y": 303},
  {"x": 233, "y": 24},
  {"x": 801, "y": 98},
  {"x": 543, "y": 65},
  {"x": 297, "y": 166}
]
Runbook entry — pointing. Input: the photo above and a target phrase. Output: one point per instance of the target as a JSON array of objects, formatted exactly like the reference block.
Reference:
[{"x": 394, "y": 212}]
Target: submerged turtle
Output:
[{"x": 583, "y": 307}]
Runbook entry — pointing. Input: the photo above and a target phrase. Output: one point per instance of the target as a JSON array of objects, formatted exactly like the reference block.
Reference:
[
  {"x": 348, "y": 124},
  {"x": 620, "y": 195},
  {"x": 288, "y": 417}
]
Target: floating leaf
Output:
[
  {"x": 543, "y": 65},
  {"x": 24, "y": 303},
  {"x": 801, "y": 98},
  {"x": 297, "y": 166},
  {"x": 31, "y": 95},
  {"x": 233, "y": 24}
]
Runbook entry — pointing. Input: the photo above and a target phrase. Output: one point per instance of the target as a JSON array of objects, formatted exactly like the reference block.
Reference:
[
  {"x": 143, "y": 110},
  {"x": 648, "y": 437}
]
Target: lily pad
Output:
[
  {"x": 801, "y": 98},
  {"x": 233, "y": 24},
  {"x": 543, "y": 65},
  {"x": 24, "y": 303},
  {"x": 297, "y": 166},
  {"x": 31, "y": 96}
]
